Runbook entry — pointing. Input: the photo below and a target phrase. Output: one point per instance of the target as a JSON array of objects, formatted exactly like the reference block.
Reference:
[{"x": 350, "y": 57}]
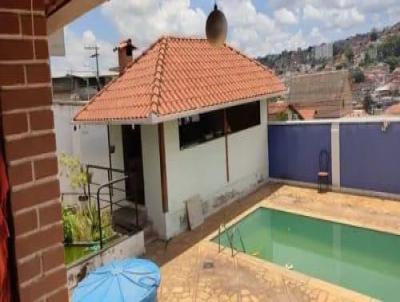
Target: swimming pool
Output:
[{"x": 359, "y": 259}]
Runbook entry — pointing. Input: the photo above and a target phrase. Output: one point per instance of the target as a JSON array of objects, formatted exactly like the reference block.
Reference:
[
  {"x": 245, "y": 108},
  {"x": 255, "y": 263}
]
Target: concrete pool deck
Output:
[{"x": 193, "y": 270}]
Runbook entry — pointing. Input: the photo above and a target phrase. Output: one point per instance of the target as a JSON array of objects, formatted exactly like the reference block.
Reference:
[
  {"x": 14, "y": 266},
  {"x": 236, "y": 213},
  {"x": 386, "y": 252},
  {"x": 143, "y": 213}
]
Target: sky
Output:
[{"x": 256, "y": 27}]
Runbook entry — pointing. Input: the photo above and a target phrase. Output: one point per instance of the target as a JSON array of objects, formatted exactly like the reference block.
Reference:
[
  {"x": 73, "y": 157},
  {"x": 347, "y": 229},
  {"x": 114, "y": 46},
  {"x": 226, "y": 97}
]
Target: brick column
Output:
[{"x": 29, "y": 142}]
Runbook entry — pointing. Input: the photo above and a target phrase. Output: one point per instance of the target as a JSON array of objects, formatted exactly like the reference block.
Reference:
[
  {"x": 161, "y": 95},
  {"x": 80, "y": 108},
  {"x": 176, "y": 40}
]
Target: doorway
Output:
[{"x": 133, "y": 163}]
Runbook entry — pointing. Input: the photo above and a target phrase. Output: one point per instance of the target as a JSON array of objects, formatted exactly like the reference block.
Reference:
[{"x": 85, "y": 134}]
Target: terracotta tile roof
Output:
[
  {"x": 329, "y": 93},
  {"x": 393, "y": 110},
  {"x": 307, "y": 114},
  {"x": 277, "y": 107},
  {"x": 177, "y": 75}
]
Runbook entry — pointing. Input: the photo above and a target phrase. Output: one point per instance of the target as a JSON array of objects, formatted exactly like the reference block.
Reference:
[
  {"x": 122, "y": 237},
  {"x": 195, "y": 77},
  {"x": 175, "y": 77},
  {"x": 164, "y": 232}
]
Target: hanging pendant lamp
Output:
[{"x": 216, "y": 27}]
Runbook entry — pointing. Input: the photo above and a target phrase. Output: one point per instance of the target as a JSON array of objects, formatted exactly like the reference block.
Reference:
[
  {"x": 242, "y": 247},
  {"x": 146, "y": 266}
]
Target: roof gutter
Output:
[{"x": 154, "y": 119}]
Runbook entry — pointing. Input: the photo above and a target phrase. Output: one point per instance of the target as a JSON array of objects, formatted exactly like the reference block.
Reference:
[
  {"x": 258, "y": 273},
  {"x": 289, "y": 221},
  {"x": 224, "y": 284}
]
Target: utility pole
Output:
[{"x": 96, "y": 56}]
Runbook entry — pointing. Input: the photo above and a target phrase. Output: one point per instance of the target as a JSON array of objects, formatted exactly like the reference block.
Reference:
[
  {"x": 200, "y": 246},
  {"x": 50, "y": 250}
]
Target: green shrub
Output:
[
  {"x": 282, "y": 116},
  {"x": 390, "y": 47},
  {"x": 393, "y": 62},
  {"x": 68, "y": 225},
  {"x": 358, "y": 75},
  {"x": 83, "y": 224},
  {"x": 373, "y": 35},
  {"x": 72, "y": 168},
  {"x": 349, "y": 54}
]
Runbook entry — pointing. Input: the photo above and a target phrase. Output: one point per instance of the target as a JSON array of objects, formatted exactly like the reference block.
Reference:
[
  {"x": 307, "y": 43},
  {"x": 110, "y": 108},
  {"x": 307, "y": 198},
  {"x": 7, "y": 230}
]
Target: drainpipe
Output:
[{"x": 110, "y": 176}]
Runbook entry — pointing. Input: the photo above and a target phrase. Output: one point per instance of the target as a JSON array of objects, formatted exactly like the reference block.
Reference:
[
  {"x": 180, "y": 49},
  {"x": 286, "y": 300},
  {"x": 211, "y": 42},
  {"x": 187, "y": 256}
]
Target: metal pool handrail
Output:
[{"x": 230, "y": 233}]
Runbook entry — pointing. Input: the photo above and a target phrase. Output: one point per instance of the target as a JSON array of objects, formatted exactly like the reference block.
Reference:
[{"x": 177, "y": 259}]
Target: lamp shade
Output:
[{"x": 216, "y": 27}]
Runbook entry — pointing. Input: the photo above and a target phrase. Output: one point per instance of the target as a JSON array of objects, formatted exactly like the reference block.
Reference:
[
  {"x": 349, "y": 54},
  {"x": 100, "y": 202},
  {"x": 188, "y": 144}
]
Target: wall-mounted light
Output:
[{"x": 216, "y": 27}]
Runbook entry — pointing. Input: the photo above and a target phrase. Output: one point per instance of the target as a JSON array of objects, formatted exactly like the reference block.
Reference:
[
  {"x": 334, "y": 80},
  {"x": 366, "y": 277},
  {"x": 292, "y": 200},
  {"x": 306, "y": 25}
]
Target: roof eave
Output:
[
  {"x": 154, "y": 119},
  {"x": 166, "y": 118},
  {"x": 67, "y": 11}
]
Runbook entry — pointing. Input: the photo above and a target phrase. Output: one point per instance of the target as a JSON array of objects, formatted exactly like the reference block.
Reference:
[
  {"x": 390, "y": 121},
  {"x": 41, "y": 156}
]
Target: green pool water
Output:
[{"x": 359, "y": 259}]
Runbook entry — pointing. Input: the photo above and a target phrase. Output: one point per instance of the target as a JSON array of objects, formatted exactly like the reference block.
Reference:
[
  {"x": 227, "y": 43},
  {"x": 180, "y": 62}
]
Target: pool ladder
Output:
[{"x": 230, "y": 233}]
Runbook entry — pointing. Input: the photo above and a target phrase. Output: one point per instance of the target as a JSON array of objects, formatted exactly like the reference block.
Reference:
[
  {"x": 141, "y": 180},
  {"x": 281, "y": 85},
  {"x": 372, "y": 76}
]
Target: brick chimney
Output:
[{"x": 125, "y": 50}]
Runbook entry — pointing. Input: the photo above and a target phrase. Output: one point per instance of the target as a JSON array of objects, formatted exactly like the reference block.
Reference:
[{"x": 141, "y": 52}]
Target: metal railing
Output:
[
  {"x": 109, "y": 200},
  {"x": 92, "y": 168},
  {"x": 230, "y": 233},
  {"x": 100, "y": 207}
]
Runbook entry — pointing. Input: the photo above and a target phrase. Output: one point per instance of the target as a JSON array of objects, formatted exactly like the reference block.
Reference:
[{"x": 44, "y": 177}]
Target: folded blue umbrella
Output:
[{"x": 129, "y": 280}]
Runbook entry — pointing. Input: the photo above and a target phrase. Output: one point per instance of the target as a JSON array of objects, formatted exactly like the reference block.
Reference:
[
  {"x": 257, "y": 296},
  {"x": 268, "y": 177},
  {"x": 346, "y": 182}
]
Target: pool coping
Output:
[
  {"x": 334, "y": 219},
  {"x": 331, "y": 287}
]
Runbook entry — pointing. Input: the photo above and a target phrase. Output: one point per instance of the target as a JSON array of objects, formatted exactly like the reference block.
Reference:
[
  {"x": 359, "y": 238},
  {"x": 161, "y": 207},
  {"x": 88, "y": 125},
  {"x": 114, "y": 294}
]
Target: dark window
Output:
[
  {"x": 243, "y": 116},
  {"x": 201, "y": 128},
  {"x": 197, "y": 129}
]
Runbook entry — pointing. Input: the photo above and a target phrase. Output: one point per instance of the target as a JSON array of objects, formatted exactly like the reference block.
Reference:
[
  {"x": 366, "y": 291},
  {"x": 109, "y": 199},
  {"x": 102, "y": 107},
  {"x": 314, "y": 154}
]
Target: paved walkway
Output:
[{"x": 193, "y": 269}]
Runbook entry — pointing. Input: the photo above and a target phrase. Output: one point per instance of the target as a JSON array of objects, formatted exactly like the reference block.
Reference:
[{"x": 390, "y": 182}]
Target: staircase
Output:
[
  {"x": 127, "y": 217},
  {"x": 124, "y": 222}
]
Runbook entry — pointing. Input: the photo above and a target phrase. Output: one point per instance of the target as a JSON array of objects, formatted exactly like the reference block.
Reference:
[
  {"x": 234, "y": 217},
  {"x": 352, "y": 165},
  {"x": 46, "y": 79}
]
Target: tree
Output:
[
  {"x": 373, "y": 35},
  {"x": 282, "y": 116},
  {"x": 337, "y": 48},
  {"x": 358, "y": 75},
  {"x": 349, "y": 54},
  {"x": 393, "y": 62},
  {"x": 390, "y": 47},
  {"x": 367, "y": 60}
]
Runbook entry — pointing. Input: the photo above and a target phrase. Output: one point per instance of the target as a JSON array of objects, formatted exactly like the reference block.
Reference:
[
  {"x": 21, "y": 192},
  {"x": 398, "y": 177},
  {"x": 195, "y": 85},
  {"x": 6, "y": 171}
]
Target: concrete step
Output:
[
  {"x": 124, "y": 222},
  {"x": 124, "y": 219}
]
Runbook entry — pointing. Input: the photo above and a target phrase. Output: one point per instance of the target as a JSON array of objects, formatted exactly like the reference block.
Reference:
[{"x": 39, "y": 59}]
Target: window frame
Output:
[{"x": 223, "y": 115}]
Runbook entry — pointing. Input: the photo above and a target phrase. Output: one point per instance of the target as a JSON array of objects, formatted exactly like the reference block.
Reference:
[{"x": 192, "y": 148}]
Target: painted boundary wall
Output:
[
  {"x": 294, "y": 150},
  {"x": 365, "y": 153}
]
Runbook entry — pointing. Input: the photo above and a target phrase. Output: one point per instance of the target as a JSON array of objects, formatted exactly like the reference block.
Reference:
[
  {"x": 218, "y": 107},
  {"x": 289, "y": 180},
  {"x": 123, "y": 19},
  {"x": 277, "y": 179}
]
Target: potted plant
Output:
[{"x": 72, "y": 168}]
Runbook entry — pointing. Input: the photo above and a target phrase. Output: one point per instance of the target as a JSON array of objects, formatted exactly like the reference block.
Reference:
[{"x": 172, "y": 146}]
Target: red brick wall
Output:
[{"x": 27, "y": 123}]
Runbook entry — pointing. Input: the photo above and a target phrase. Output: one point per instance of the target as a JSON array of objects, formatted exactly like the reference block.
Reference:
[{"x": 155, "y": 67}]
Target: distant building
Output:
[
  {"x": 323, "y": 51},
  {"x": 328, "y": 93},
  {"x": 357, "y": 113},
  {"x": 283, "y": 111},
  {"x": 391, "y": 87},
  {"x": 78, "y": 86},
  {"x": 70, "y": 93}
]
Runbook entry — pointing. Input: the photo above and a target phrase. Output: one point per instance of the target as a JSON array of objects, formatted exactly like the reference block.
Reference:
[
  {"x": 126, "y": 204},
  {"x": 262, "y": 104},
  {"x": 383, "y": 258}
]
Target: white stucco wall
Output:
[
  {"x": 201, "y": 170},
  {"x": 152, "y": 178},
  {"x": 88, "y": 143},
  {"x": 122, "y": 248},
  {"x": 198, "y": 170},
  {"x": 117, "y": 158},
  {"x": 67, "y": 140}
]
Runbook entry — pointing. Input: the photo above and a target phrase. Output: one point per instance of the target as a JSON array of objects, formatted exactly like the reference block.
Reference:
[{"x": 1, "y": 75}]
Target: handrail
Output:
[
  {"x": 109, "y": 176},
  {"x": 104, "y": 168},
  {"x": 230, "y": 236},
  {"x": 105, "y": 185}
]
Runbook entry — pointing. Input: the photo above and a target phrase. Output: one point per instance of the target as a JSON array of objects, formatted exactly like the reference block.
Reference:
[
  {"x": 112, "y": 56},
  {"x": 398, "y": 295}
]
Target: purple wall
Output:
[
  {"x": 370, "y": 158},
  {"x": 294, "y": 150}
]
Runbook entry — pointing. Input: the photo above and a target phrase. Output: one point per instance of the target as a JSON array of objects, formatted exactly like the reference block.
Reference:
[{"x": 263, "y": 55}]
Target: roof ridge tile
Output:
[{"x": 158, "y": 75}]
